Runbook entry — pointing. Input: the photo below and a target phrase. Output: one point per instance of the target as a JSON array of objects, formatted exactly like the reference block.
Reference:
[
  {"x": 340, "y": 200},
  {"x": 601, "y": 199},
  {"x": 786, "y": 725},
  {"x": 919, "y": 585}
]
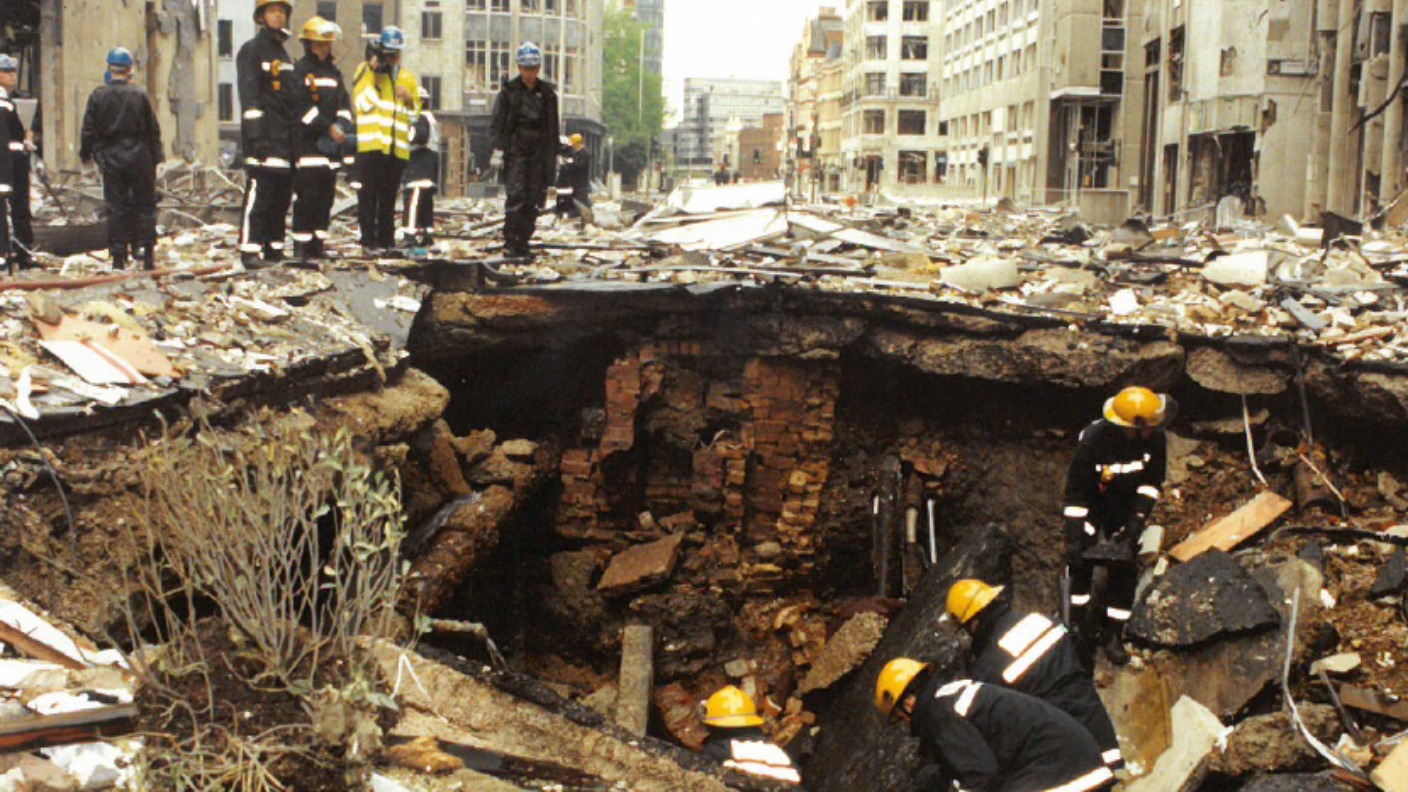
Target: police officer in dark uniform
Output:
[
  {"x": 269, "y": 98},
  {"x": 7, "y": 191},
  {"x": 525, "y": 133},
  {"x": 122, "y": 135},
  {"x": 1112, "y": 487},
  {"x": 324, "y": 120},
  {"x": 1033, "y": 654},
  {"x": 19, "y": 148},
  {"x": 989, "y": 738}
]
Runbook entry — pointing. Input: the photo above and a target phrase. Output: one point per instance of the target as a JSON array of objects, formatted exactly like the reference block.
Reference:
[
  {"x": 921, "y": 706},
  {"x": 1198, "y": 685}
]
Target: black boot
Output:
[
  {"x": 149, "y": 256},
  {"x": 317, "y": 249},
  {"x": 300, "y": 251},
  {"x": 1114, "y": 648},
  {"x": 118, "y": 251},
  {"x": 273, "y": 255}
]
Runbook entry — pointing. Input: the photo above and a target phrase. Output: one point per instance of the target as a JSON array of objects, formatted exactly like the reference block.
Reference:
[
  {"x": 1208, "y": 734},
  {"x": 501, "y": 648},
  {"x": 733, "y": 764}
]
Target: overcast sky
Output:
[{"x": 749, "y": 39}]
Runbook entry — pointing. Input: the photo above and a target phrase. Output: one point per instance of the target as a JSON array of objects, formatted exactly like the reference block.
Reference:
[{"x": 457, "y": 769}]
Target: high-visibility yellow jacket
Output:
[{"x": 384, "y": 122}]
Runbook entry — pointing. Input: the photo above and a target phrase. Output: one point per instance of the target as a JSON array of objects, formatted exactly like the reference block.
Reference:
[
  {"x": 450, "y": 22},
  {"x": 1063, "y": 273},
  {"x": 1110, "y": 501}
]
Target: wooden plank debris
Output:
[
  {"x": 29, "y": 633},
  {"x": 1375, "y": 702},
  {"x": 41, "y": 731},
  {"x": 1228, "y": 532}
]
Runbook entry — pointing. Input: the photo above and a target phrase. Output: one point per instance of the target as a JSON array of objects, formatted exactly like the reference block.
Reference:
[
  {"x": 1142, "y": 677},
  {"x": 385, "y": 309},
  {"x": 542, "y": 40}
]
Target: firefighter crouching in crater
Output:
[{"x": 737, "y": 742}]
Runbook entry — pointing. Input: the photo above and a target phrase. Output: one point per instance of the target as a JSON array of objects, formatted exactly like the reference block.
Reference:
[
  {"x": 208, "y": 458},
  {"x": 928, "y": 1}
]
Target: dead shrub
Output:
[{"x": 292, "y": 539}]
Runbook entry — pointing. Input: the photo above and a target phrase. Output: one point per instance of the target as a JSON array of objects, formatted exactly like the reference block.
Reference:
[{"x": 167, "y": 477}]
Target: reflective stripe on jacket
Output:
[{"x": 383, "y": 122}]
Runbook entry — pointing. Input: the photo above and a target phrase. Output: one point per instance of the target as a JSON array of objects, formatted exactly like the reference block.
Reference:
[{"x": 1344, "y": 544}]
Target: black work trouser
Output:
[
  {"x": 5, "y": 230},
  {"x": 267, "y": 196},
  {"x": 21, "y": 217},
  {"x": 315, "y": 187},
  {"x": 129, "y": 189},
  {"x": 380, "y": 176},
  {"x": 419, "y": 212},
  {"x": 1108, "y": 615},
  {"x": 1078, "y": 698},
  {"x": 526, "y": 188}
]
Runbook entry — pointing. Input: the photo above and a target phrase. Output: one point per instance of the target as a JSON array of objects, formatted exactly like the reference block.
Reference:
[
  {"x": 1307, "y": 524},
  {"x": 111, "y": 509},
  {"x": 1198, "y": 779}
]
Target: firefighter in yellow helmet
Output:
[
  {"x": 324, "y": 122},
  {"x": 736, "y": 740},
  {"x": 1112, "y": 486},
  {"x": 987, "y": 737},
  {"x": 1031, "y": 653}
]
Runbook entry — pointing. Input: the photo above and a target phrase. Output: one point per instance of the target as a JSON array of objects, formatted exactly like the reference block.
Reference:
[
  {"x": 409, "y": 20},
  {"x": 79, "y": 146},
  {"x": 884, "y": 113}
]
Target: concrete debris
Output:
[
  {"x": 423, "y": 754},
  {"x": 1392, "y": 579},
  {"x": 641, "y": 566},
  {"x": 1295, "y": 782},
  {"x": 1392, "y": 773},
  {"x": 1271, "y": 744},
  {"x": 1196, "y": 732},
  {"x": 632, "y": 709},
  {"x": 844, "y": 652},
  {"x": 1341, "y": 663},
  {"x": 1209, "y": 597},
  {"x": 982, "y": 275}
]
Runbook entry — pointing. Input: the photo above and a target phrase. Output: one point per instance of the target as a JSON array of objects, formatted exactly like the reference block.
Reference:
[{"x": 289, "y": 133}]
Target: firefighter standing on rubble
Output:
[
  {"x": 19, "y": 147},
  {"x": 269, "y": 97},
  {"x": 988, "y": 738},
  {"x": 121, "y": 134},
  {"x": 736, "y": 741},
  {"x": 324, "y": 121},
  {"x": 387, "y": 100},
  {"x": 525, "y": 133},
  {"x": 574, "y": 181},
  {"x": 422, "y": 173},
  {"x": 1032, "y": 654},
  {"x": 1112, "y": 486},
  {"x": 7, "y": 190}
]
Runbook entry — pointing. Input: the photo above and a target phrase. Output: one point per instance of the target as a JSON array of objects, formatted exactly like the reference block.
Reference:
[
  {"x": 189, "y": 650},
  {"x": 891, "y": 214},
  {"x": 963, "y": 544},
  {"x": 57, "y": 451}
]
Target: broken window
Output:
[
  {"x": 1151, "y": 54},
  {"x": 476, "y": 62},
  {"x": 914, "y": 48},
  {"x": 227, "y": 102},
  {"x": 913, "y": 84},
  {"x": 372, "y": 17},
  {"x": 878, "y": 11},
  {"x": 500, "y": 56},
  {"x": 914, "y": 166},
  {"x": 940, "y": 167},
  {"x": 431, "y": 85},
  {"x": 875, "y": 84},
  {"x": 328, "y": 10},
  {"x": 912, "y": 122},
  {"x": 1229, "y": 61},
  {"x": 432, "y": 25},
  {"x": 499, "y": 5},
  {"x": 1175, "y": 65},
  {"x": 550, "y": 6},
  {"x": 226, "y": 36},
  {"x": 875, "y": 48},
  {"x": 916, "y": 10},
  {"x": 874, "y": 122},
  {"x": 943, "y": 128},
  {"x": 1114, "y": 11},
  {"x": 531, "y": 6}
]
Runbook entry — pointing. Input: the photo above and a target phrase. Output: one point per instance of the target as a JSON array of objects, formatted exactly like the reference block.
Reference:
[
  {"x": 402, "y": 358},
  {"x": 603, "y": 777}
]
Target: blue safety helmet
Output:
[
  {"x": 9, "y": 64},
  {"x": 529, "y": 55},
  {"x": 393, "y": 39},
  {"x": 120, "y": 58}
]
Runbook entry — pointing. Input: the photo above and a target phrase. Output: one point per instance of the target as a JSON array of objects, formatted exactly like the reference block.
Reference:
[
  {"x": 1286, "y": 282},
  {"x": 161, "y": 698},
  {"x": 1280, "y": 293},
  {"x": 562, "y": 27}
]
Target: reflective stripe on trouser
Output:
[
  {"x": 315, "y": 188},
  {"x": 420, "y": 212},
  {"x": 266, "y": 209},
  {"x": 1092, "y": 780},
  {"x": 1112, "y": 758},
  {"x": 762, "y": 759}
]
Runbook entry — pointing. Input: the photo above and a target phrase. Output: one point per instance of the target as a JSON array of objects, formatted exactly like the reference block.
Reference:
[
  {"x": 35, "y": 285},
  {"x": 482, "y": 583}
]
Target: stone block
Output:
[
  {"x": 641, "y": 566},
  {"x": 1206, "y": 598},
  {"x": 1181, "y": 768}
]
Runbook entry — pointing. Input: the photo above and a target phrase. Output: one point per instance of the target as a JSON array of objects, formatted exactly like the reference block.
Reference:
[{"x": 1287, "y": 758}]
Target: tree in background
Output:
[{"x": 634, "y": 101}]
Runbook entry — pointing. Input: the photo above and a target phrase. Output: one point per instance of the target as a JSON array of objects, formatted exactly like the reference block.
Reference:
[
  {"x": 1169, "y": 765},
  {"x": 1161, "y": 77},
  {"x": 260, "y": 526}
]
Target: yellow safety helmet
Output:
[
  {"x": 1136, "y": 407},
  {"x": 320, "y": 30},
  {"x": 260, "y": 5},
  {"x": 575, "y": 140},
  {"x": 968, "y": 597},
  {"x": 731, "y": 708},
  {"x": 895, "y": 680}
]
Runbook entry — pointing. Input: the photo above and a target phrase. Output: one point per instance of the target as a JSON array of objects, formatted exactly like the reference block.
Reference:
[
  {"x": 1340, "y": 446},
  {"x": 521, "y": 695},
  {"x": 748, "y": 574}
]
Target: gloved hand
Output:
[{"x": 496, "y": 160}]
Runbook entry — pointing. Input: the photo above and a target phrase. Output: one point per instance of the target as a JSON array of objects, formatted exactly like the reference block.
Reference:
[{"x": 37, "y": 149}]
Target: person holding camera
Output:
[
  {"x": 267, "y": 96},
  {"x": 324, "y": 123},
  {"x": 386, "y": 98}
]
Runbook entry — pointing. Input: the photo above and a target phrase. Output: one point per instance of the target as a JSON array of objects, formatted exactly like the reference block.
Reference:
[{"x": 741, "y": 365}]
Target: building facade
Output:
[
  {"x": 822, "y": 38},
  {"x": 651, "y": 14},
  {"x": 709, "y": 105},
  {"x": 760, "y": 149},
  {"x": 893, "y": 139},
  {"x": 1231, "y": 106},
  {"x": 828, "y": 165}
]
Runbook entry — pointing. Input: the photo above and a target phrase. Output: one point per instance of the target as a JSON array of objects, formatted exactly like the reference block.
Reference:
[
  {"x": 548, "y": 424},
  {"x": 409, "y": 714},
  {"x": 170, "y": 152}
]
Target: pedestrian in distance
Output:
[
  {"x": 988, "y": 738},
  {"x": 19, "y": 146},
  {"x": 386, "y": 98},
  {"x": 121, "y": 134},
  {"x": 324, "y": 123},
  {"x": 269, "y": 97},
  {"x": 525, "y": 134}
]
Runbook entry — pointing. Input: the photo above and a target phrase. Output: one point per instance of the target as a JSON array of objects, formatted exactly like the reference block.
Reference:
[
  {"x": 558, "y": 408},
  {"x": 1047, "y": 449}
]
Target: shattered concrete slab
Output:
[
  {"x": 1209, "y": 597},
  {"x": 1196, "y": 731}
]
